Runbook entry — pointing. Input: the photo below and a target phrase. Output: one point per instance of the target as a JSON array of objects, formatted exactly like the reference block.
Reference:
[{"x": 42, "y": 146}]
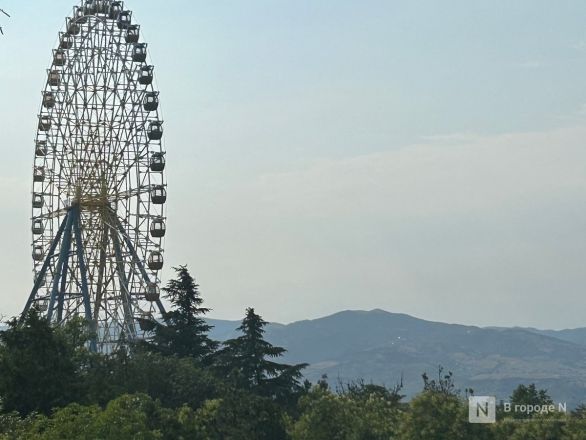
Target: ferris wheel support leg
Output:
[
  {"x": 126, "y": 301},
  {"x": 138, "y": 261},
  {"x": 43, "y": 271},
  {"x": 61, "y": 298},
  {"x": 63, "y": 254},
  {"x": 83, "y": 272},
  {"x": 104, "y": 246}
]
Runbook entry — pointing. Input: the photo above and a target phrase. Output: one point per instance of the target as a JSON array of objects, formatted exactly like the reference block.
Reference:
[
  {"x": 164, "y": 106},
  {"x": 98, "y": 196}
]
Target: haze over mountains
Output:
[{"x": 384, "y": 347}]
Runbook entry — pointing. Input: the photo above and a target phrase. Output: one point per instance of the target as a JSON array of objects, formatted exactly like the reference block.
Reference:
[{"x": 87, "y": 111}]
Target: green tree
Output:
[
  {"x": 247, "y": 361},
  {"x": 576, "y": 424},
  {"x": 237, "y": 416},
  {"x": 439, "y": 413},
  {"x": 361, "y": 412},
  {"x": 132, "y": 417},
  {"x": 184, "y": 332},
  {"x": 325, "y": 416},
  {"x": 530, "y": 395},
  {"x": 360, "y": 390},
  {"x": 41, "y": 367},
  {"x": 128, "y": 417},
  {"x": 444, "y": 384},
  {"x": 71, "y": 422},
  {"x": 525, "y": 395},
  {"x": 174, "y": 381},
  {"x": 552, "y": 426},
  {"x": 13, "y": 427},
  {"x": 437, "y": 416}
]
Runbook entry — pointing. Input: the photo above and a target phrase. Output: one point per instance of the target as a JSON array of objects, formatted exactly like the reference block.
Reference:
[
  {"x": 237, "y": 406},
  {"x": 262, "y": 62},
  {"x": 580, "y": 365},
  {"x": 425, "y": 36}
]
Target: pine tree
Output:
[
  {"x": 247, "y": 361},
  {"x": 184, "y": 332}
]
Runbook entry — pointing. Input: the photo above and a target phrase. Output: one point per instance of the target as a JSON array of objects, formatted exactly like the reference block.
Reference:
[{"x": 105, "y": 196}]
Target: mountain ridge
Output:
[{"x": 385, "y": 347}]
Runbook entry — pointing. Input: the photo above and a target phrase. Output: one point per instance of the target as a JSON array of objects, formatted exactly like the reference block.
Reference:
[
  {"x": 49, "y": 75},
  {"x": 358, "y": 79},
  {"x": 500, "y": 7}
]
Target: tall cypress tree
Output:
[
  {"x": 247, "y": 360},
  {"x": 184, "y": 332}
]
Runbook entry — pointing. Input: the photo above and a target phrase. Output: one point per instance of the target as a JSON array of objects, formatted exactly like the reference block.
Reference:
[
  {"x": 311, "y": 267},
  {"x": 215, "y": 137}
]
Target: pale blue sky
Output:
[{"x": 423, "y": 157}]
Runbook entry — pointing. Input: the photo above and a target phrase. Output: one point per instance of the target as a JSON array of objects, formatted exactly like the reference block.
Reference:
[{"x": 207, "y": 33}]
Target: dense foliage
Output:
[{"x": 183, "y": 385}]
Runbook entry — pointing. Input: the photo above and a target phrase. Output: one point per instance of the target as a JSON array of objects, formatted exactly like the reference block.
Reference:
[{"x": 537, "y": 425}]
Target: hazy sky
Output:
[{"x": 425, "y": 157}]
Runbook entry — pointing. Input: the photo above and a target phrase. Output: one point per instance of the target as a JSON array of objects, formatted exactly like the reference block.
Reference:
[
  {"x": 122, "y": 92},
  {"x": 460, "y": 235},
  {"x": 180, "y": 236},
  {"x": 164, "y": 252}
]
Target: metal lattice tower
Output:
[{"x": 99, "y": 189}]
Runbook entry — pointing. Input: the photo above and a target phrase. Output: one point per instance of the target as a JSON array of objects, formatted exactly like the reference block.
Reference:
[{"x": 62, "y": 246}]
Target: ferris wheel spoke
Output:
[{"x": 53, "y": 214}]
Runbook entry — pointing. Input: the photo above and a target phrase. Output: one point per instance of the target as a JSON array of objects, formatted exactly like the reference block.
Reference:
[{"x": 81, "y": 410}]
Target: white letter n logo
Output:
[{"x": 482, "y": 408}]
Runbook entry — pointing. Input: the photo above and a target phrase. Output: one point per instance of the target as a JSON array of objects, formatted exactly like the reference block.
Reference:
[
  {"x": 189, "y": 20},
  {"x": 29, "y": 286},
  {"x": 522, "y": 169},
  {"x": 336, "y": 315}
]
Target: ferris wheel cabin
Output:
[
  {"x": 159, "y": 195},
  {"x": 41, "y": 149},
  {"x": 38, "y": 226},
  {"x": 59, "y": 58},
  {"x": 155, "y": 261},
  {"x": 44, "y": 123},
  {"x": 153, "y": 292},
  {"x": 39, "y": 174},
  {"x": 54, "y": 79},
  {"x": 151, "y": 101},
  {"x": 157, "y": 162},
  {"x": 139, "y": 52},
  {"x": 158, "y": 228},
  {"x": 155, "y": 130},
  {"x": 132, "y": 33},
  {"x": 38, "y": 253},
  {"x": 48, "y": 100},
  {"x": 145, "y": 77}
]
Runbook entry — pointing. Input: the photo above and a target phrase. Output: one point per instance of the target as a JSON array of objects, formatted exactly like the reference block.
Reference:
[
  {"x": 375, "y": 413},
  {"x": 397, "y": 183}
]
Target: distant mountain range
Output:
[{"x": 385, "y": 347}]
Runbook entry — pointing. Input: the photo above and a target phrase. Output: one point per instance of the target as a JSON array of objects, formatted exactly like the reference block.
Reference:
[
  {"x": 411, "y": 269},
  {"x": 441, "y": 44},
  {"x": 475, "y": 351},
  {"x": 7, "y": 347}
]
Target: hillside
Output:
[{"x": 384, "y": 347}]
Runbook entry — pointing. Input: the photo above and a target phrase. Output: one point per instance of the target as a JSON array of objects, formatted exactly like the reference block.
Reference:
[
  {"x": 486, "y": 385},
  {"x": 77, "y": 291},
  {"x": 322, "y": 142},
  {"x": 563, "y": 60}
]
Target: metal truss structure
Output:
[
  {"x": 3, "y": 12},
  {"x": 98, "y": 220}
]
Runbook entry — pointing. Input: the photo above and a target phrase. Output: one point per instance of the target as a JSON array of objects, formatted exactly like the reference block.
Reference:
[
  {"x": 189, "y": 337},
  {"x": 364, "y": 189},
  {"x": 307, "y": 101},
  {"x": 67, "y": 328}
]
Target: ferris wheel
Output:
[{"x": 99, "y": 189}]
